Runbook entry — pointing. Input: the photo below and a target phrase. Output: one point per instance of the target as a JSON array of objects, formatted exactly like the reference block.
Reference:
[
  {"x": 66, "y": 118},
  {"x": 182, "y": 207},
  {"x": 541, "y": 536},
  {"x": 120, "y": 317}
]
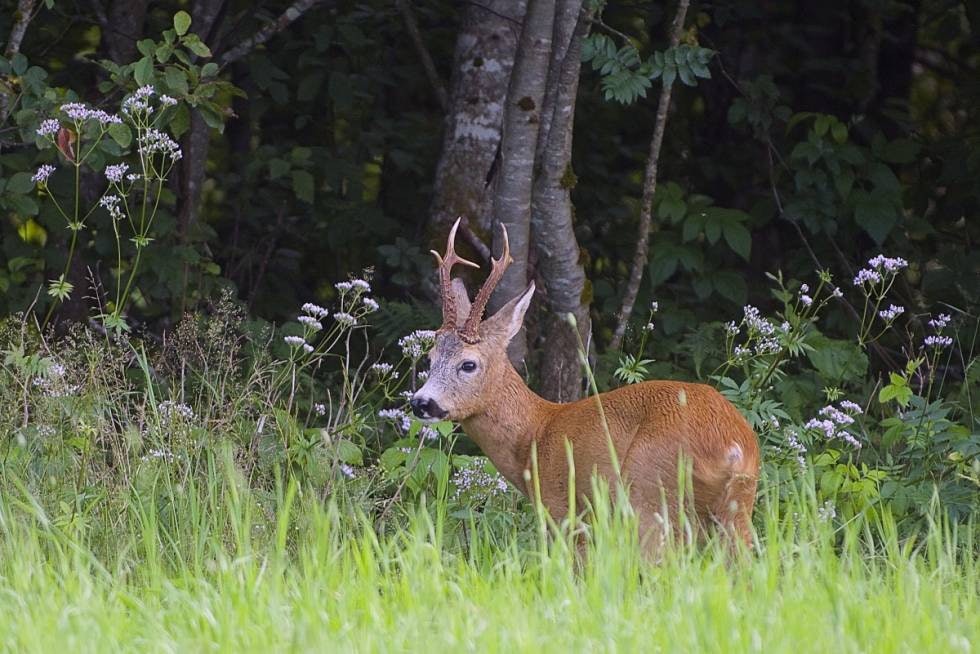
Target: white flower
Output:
[
  {"x": 360, "y": 285},
  {"x": 891, "y": 312},
  {"x": 311, "y": 322},
  {"x": 294, "y": 341},
  {"x": 343, "y": 287},
  {"x": 417, "y": 343},
  {"x": 655, "y": 306},
  {"x": 111, "y": 204},
  {"x": 347, "y": 470},
  {"x": 42, "y": 174},
  {"x": 837, "y": 292},
  {"x": 315, "y": 310},
  {"x": 806, "y": 300},
  {"x": 48, "y": 127},
  {"x": 167, "y": 101},
  {"x": 804, "y": 288},
  {"x": 382, "y": 369},
  {"x": 320, "y": 409},
  {"x": 938, "y": 341},
  {"x": 345, "y": 319},
  {"x": 370, "y": 305},
  {"x": 648, "y": 327},
  {"x": 153, "y": 141},
  {"x": 939, "y": 322},
  {"x": 115, "y": 173}
]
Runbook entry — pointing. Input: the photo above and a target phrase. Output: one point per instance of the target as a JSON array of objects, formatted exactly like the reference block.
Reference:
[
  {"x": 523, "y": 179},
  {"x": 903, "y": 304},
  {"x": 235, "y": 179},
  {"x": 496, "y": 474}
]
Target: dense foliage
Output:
[{"x": 812, "y": 252}]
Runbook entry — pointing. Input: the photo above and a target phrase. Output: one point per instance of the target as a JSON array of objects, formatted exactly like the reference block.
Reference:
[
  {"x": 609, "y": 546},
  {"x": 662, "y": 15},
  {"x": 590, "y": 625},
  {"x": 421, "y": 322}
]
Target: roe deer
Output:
[{"x": 653, "y": 426}]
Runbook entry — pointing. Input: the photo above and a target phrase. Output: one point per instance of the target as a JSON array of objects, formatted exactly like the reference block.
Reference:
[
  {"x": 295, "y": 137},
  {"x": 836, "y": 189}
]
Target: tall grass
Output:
[{"x": 208, "y": 565}]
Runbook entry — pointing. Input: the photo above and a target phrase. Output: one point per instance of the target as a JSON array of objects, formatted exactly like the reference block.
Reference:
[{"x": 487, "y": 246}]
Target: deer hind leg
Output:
[{"x": 732, "y": 510}]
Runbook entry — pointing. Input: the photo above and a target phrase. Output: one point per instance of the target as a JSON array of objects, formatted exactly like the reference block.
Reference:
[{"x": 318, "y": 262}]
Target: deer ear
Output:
[
  {"x": 507, "y": 322},
  {"x": 462, "y": 300}
]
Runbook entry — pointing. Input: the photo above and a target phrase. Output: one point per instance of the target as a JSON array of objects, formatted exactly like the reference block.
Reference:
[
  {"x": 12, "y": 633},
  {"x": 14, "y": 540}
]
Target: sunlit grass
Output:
[{"x": 208, "y": 568}]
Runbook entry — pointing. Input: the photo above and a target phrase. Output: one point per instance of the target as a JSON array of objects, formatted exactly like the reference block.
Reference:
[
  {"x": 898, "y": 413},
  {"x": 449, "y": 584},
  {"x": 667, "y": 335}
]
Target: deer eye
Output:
[{"x": 468, "y": 366}]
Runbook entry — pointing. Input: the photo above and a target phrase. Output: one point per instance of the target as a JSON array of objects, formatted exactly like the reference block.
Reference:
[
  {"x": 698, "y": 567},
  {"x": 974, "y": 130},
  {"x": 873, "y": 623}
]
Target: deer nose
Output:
[
  {"x": 424, "y": 407},
  {"x": 420, "y": 406}
]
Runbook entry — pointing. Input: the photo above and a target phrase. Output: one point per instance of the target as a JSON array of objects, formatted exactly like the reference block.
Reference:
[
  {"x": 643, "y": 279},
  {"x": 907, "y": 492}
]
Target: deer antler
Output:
[
  {"x": 446, "y": 264},
  {"x": 471, "y": 329}
]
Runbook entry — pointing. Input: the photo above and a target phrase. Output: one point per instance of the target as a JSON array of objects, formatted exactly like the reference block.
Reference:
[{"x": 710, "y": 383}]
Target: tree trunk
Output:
[
  {"x": 196, "y": 141},
  {"x": 514, "y": 182},
  {"x": 559, "y": 260},
  {"x": 485, "y": 50},
  {"x": 126, "y": 18}
]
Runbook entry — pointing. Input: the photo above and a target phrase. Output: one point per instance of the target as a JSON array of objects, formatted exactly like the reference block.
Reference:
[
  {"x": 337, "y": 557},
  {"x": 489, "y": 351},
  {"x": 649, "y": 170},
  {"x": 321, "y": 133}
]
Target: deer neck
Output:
[{"x": 508, "y": 425}]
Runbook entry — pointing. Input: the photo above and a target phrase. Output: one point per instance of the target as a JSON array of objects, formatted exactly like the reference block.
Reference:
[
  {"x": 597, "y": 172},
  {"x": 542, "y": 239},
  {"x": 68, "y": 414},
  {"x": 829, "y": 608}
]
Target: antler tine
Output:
[
  {"x": 446, "y": 264},
  {"x": 471, "y": 329}
]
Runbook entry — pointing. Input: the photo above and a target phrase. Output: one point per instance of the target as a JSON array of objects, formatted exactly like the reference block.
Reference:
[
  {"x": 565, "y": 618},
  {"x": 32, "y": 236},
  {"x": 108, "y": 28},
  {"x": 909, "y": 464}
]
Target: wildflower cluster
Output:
[
  {"x": 384, "y": 370},
  {"x": 834, "y": 421},
  {"x": 881, "y": 269},
  {"x": 762, "y": 335},
  {"x": 111, "y": 204},
  {"x": 79, "y": 113},
  {"x": 415, "y": 345},
  {"x": 54, "y": 382},
  {"x": 474, "y": 480},
  {"x": 892, "y": 312},
  {"x": 43, "y": 173},
  {"x": 938, "y": 340},
  {"x": 174, "y": 412}
]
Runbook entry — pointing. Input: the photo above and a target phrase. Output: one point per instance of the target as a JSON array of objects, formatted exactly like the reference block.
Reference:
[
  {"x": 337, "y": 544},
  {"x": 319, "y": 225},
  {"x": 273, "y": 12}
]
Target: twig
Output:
[
  {"x": 649, "y": 189},
  {"x": 412, "y": 25},
  {"x": 293, "y": 12}
]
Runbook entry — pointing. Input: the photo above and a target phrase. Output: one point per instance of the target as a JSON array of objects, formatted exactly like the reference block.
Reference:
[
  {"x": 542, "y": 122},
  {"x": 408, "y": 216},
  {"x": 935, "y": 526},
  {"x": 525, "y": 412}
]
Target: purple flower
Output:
[
  {"x": 42, "y": 174},
  {"x": 938, "y": 341},
  {"x": 115, "y": 173},
  {"x": 48, "y": 127},
  {"x": 939, "y": 322},
  {"x": 892, "y": 312}
]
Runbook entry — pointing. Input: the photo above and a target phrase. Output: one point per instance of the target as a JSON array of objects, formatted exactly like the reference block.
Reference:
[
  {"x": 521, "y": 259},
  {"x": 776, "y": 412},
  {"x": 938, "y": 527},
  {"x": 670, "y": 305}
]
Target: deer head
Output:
[{"x": 469, "y": 359}]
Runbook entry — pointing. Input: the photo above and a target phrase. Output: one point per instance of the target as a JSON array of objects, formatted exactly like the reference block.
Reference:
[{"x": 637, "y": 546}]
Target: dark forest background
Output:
[{"x": 322, "y": 139}]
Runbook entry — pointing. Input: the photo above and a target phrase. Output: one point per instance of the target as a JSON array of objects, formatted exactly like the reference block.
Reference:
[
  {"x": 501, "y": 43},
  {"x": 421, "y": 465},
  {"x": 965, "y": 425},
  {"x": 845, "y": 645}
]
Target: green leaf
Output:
[
  {"x": 209, "y": 69},
  {"x": 196, "y": 45},
  {"x": 181, "y": 120},
  {"x": 20, "y": 184},
  {"x": 875, "y": 216},
  {"x": 836, "y": 360},
  {"x": 182, "y": 22},
  {"x": 349, "y": 453},
  {"x": 176, "y": 80},
  {"x": 143, "y": 71},
  {"x": 303, "y": 185},
  {"x": 18, "y": 63},
  {"x": 738, "y": 238},
  {"x": 121, "y": 134}
]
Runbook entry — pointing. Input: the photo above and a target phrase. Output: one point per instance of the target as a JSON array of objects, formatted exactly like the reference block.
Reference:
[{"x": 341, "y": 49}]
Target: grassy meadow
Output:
[{"x": 216, "y": 569}]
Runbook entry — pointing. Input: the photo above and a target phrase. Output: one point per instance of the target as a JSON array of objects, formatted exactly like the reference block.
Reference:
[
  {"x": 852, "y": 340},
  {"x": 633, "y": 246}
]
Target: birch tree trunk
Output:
[
  {"x": 514, "y": 182},
  {"x": 484, "y": 57},
  {"x": 558, "y": 253}
]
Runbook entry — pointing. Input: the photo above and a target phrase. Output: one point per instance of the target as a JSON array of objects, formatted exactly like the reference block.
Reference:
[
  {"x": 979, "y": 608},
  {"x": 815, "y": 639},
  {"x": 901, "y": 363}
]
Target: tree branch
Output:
[
  {"x": 431, "y": 73},
  {"x": 293, "y": 12},
  {"x": 649, "y": 189}
]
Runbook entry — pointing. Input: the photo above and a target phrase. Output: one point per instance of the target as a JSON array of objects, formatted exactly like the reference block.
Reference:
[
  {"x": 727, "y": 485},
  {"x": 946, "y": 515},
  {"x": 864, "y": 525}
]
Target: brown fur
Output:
[{"x": 655, "y": 427}]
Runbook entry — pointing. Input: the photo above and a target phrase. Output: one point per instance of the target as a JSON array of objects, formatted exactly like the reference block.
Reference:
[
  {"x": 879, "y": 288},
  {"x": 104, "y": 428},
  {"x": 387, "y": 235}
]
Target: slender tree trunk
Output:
[
  {"x": 22, "y": 18},
  {"x": 649, "y": 190},
  {"x": 485, "y": 50},
  {"x": 559, "y": 260},
  {"x": 514, "y": 182},
  {"x": 126, "y": 18}
]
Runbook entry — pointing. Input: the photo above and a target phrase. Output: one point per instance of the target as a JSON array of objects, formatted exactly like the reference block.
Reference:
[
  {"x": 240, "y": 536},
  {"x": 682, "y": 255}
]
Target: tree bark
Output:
[
  {"x": 22, "y": 18},
  {"x": 485, "y": 51},
  {"x": 514, "y": 182},
  {"x": 126, "y": 18},
  {"x": 553, "y": 233},
  {"x": 649, "y": 189}
]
